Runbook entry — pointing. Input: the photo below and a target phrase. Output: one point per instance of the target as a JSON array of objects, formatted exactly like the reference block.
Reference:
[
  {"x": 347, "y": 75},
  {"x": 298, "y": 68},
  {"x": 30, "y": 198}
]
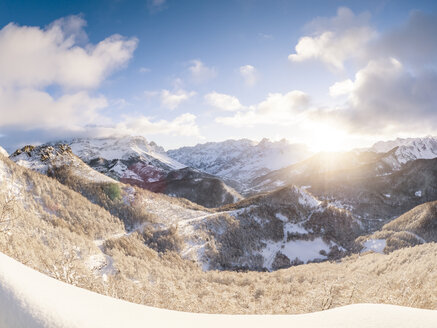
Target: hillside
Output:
[
  {"x": 3, "y": 152},
  {"x": 365, "y": 183},
  {"x": 29, "y": 299},
  {"x": 414, "y": 227},
  {"x": 135, "y": 161},
  {"x": 73, "y": 240}
]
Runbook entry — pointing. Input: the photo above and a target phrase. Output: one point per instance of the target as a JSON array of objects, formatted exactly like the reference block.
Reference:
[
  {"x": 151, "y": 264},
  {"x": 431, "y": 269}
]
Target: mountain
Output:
[
  {"x": 406, "y": 150},
  {"x": 44, "y": 159},
  {"x": 139, "y": 246},
  {"x": 3, "y": 152},
  {"x": 276, "y": 230},
  {"x": 414, "y": 227},
  {"x": 365, "y": 183},
  {"x": 267, "y": 232},
  {"x": 239, "y": 161},
  {"x": 135, "y": 161}
]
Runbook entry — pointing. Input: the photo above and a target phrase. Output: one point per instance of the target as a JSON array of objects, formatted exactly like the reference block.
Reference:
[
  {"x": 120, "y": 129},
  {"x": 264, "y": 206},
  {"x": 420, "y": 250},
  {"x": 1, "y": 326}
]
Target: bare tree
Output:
[{"x": 7, "y": 213}]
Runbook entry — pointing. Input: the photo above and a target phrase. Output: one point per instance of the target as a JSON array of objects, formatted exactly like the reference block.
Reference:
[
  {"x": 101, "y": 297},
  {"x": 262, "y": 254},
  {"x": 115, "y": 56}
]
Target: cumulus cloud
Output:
[
  {"x": 37, "y": 58},
  {"x": 172, "y": 100},
  {"x": 334, "y": 40},
  {"x": 387, "y": 97},
  {"x": 200, "y": 72},
  {"x": 341, "y": 88},
  {"x": 223, "y": 101},
  {"x": 33, "y": 59},
  {"x": 183, "y": 125},
  {"x": 249, "y": 74},
  {"x": 276, "y": 109},
  {"x": 31, "y": 108},
  {"x": 413, "y": 42}
]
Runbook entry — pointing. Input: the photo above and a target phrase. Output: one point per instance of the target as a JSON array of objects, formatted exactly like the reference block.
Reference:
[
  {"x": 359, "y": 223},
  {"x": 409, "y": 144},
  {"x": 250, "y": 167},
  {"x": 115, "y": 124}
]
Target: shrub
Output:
[{"x": 113, "y": 191}]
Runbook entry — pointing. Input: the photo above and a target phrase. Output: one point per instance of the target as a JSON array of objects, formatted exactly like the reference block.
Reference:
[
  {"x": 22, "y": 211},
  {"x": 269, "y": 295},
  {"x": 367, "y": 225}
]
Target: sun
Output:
[{"x": 326, "y": 138}]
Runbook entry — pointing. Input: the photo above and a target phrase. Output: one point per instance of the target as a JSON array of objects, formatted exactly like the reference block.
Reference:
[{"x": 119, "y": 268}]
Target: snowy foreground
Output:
[{"x": 30, "y": 299}]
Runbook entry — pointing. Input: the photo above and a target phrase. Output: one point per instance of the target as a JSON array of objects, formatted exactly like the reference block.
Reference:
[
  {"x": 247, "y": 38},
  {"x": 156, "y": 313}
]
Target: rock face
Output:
[
  {"x": 240, "y": 161},
  {"x": 135, "y": 161}
]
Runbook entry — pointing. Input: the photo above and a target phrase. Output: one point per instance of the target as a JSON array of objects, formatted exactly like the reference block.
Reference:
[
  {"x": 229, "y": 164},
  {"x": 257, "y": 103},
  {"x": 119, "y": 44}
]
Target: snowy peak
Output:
[
  {"x": 122, "y": 148},
  {"x": 240, "y": 160},
  {"x": 3, "y": 152},
  {"x": 402, "y": 151},
  {"x": 43, "y": 158}
]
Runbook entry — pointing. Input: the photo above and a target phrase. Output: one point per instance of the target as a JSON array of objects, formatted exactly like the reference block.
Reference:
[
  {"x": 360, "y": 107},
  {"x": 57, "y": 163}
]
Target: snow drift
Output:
[{"x": 30, "y": 299}]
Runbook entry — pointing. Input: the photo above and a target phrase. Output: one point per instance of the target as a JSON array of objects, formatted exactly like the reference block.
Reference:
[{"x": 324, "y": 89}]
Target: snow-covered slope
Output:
[
  {"x": 44, "y": 158},
  {"x": 3, "y": 152},
  {"x": 122, "y": 148},
  {"x": 135, "y": 161},
  {"x": 273, "y": 231},
  {"x": 32, "y": 300},
  {"x": 240, "y": 160},
  {"x": 407, "y": 150}
]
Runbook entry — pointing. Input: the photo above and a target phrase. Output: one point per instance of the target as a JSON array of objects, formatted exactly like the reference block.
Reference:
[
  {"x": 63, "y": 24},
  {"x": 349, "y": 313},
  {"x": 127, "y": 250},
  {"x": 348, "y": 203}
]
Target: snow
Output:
[
  {"x": 294, "y": 228},
  {"x": 418, "y": 193},
  {"x": 281, "y": 217},
  {"x": 32, "y": 300},
  {"x": 304, "y": 250},
  {"x": 121, "y": 148},
  {"x": 3, "y": 152},
  {"x": 374, "y": 245},
  {"x": 240, "y": 160},
  {"x": 407, "y": 150},
  {"x": 58, "y": 158},
  {"x": 306, "y": 199}
]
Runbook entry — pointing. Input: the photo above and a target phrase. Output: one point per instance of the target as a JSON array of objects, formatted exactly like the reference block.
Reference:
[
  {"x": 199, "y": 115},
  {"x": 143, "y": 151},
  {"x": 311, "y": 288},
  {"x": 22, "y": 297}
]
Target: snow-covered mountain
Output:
[
  {"x": 123, "y": 148},
  {"x": 407, "y": 150},
  {"x": 240, "y": 160},
  {"x": 135, "y": 161},
  {"x": 3, "y": 152},
  {"x": 44, "y": 158},
  {"x": 273, "y": 231}
]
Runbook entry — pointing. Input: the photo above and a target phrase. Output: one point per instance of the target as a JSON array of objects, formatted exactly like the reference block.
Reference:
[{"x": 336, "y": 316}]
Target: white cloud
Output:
[
  {"x": 223, "y": 101},
  {"x": 413, "y": 42},
  {"x": 200, "y": 72},
  {"x": 172, "y": 100},
  {"x": 37, "y": 58},
  {"x": 387, "y": 97},
  {"x": 29, "y": 108},
  {"x": 33, "y": 59},
  {"x": 335, "y": 40},
  {"x": 277, "y": 109},
  {"x": 249, "y": 74},
  {"x": 183, "y": 125},
  {"x": 341, "y": 88}
]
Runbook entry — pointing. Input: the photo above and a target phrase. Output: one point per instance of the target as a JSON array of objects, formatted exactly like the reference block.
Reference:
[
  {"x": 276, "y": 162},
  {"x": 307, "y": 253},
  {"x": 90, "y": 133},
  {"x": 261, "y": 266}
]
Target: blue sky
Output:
[{"x": 333, "y": 74}]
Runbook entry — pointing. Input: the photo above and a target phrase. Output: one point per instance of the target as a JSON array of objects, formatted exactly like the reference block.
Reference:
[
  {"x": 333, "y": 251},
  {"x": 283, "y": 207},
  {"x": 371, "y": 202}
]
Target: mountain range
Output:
[
  {"x": 309, "y": 211},
  {"x": 69, "y": 209}
]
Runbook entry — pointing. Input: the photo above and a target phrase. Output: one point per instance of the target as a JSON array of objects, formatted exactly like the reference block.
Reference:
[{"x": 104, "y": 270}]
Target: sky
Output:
[{"x": 334, "y": 75}]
